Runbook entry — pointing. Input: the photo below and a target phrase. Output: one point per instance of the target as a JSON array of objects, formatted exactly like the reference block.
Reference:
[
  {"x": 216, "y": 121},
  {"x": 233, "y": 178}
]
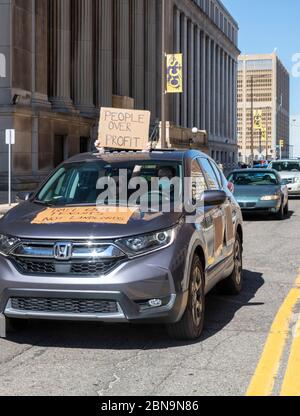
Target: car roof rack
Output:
[{"x": 125, "y": 151}]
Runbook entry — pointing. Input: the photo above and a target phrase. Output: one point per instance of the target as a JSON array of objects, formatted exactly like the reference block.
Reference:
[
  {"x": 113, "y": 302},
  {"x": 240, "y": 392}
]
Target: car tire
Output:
[
  {"x": 16, "y": 325},
  {"x": 286, "y": 209},
  {"x": 280, "y": 214},
  {"x": 233, "y": 284},
  {"x": 191, "y": 324}
]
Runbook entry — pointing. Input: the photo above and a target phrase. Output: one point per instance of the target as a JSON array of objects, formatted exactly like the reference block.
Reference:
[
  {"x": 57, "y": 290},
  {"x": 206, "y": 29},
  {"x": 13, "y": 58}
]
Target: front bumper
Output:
[
  {"x": 258, "y": 205},
  {"x": 294, "y": 188},
  {"x": 130, "y": 285}
]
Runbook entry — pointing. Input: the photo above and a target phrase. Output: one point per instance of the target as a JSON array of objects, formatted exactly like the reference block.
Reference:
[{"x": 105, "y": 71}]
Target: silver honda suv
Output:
[{"x": 73, "y": 251}]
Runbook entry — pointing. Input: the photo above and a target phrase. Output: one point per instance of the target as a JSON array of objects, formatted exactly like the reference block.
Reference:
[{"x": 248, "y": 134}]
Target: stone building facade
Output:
[{"x": 61, "y": 60}]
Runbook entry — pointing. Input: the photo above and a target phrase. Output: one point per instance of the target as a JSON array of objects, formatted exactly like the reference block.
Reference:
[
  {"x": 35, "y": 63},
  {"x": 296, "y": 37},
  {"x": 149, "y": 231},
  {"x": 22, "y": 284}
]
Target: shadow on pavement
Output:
[
  {"x": 219, "y": 313},
  {"x": 220, "y": 309},
  {"x": 252, "y": 216}
]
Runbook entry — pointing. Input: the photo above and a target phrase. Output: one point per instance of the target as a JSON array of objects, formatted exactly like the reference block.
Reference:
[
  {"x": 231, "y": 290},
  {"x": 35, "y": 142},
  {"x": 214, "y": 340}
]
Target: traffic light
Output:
[{"x": 281, "y": 144}]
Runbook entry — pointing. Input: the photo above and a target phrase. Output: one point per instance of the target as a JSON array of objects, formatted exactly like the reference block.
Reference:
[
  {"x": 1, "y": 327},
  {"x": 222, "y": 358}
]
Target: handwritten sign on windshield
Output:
[{"x": 124, "y": 129}]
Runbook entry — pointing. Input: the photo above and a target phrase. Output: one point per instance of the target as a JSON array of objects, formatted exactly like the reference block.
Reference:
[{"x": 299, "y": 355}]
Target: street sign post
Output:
[{"x": 10, "y": 139}]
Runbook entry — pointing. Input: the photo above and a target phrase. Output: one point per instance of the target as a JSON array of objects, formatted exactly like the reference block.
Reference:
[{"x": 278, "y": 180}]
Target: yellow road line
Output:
[
  {"x": 291, "y": 381},
  {"x": 262, "y": 383}
]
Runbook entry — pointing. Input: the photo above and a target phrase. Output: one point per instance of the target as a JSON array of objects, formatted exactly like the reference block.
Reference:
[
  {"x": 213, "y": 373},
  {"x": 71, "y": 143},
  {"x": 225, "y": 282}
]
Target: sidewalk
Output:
[{"x": 4, "y": 207}]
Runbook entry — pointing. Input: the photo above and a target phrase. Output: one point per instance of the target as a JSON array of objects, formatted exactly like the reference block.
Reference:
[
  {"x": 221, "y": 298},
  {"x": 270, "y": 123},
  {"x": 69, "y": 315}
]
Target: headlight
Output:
[
  {"x": 148, "y": 242},
  {"x": 7, "y": 244},
  {"x": 270, "y": 198}
]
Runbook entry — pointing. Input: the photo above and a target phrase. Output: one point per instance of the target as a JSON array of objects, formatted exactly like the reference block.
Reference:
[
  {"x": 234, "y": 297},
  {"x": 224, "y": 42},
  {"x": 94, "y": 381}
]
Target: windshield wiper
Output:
[{"x": 46, "y": 204}]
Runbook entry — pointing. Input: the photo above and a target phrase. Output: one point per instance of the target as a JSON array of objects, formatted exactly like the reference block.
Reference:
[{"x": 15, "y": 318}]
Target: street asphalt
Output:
[{"x": 98, "y": 359}]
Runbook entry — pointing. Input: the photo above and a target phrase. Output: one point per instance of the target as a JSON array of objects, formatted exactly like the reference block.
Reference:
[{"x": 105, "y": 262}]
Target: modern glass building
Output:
[{"x": 263, "y": 87}]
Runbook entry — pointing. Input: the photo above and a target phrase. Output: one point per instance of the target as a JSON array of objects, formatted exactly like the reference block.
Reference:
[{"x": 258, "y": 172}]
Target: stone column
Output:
[
  {"x": 218, "y": 132},
  {"x": 60, "y": 55},
  {"x": 104, "y": 69},
  {"x": 83, "y": 85},
  {"x": 191, "y": 72},
  {"x": 203, "y": 81},
  {"x": 230, "y": 97},
  {"x": 213, "y": 89},
  {"x": 177, "y": 50},
  {"x": 223, "y": 94},
  {"x": 138, "y": 41},
  {"x": 122, "y": 64},
  {"x": 227, "y": 96},
  {"x": 208, "y": 82},
  {"x": 40, "y": 53},
  {"x": 150, "y": 58},
  {"x": 197, "y": 78}
]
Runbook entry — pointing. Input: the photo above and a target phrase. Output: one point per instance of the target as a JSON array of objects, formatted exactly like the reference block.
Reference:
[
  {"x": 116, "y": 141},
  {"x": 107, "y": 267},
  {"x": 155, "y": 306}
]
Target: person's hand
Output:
[
  {"x": 150, "y": 146},
  {"x": 98, "y": 146}
]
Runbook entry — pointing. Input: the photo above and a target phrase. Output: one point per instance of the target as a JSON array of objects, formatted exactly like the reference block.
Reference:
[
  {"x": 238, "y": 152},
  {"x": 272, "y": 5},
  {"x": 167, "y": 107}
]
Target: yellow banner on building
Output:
[
  {"x": 257, "y": 120},
  {"x": 174, "y": 74}
]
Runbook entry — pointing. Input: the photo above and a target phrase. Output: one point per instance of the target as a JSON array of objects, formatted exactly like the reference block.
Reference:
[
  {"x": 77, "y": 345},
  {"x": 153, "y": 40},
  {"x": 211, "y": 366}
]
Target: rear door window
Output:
[
  {"x": 217, "y": 173},
  {"x": 199, "y": 184},
  {"x": 213, "y": 182}
]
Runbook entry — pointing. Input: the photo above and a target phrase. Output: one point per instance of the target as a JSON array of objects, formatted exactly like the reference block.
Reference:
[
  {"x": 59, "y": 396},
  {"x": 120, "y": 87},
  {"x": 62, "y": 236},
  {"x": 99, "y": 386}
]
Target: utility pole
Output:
[
  {"x": 252, "y": 127},
  {"x": 260, "y": 144},
  {"x": 267, "y": 137},
  {"x": 163, "y": 75}
]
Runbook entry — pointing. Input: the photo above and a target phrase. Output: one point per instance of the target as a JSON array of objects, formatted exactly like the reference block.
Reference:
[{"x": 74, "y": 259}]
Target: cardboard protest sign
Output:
[
  {"x": 124, "y": 129},
  {"x": 103, "y": 215}
]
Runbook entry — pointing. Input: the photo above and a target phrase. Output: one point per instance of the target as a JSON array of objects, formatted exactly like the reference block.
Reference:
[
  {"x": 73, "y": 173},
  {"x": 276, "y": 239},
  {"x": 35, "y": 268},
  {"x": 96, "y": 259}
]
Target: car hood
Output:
[
  {"x": 255, "y": 191},
  {"x": 19, "y": 222},
  {"x": 288, "y": 175}
]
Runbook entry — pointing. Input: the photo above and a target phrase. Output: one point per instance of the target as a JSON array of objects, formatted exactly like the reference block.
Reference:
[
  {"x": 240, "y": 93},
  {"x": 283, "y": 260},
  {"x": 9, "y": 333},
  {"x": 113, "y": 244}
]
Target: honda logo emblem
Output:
[{"x": 63, "y": 251}]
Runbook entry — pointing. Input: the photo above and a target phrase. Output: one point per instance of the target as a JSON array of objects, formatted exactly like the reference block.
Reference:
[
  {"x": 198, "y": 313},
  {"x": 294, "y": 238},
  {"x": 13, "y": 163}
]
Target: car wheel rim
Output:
[
  {"x": 238, "y": 263},
  {"x": 197, "y": 296}
]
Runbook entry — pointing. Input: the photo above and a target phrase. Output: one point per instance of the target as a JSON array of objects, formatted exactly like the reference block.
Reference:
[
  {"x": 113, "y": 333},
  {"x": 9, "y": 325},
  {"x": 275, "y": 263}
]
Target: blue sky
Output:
[{"x": 266, "y": 25}]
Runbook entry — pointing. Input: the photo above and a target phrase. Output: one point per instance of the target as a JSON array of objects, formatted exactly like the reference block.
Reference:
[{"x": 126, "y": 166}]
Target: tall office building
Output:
[
  {"x": 263, "y": 91},
  {"x": 61, "y": 60}
]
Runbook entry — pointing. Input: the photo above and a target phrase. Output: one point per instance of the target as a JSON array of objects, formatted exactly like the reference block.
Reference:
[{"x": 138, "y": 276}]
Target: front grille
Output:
[
  {"x": 92, "y": 268},
  {"x": 73, "y": 306},
  {"x": 40, "y": 266},
  {"x": 247, "y": 204},
  {"x": 288, "y": 181},
  {"x": 32, "y": 267}
]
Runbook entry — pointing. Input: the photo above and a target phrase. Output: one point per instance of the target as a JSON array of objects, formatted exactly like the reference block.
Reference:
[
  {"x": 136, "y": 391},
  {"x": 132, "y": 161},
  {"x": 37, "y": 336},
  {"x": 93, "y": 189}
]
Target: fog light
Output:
[{"x": 155, "y": 303}]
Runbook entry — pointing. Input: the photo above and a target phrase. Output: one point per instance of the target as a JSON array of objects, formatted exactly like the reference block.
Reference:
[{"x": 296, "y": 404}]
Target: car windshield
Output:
[
  {"x": 286, "y": 166},
  {"x": 253, "y": 178},
  {"x": 84, "y": 183}
]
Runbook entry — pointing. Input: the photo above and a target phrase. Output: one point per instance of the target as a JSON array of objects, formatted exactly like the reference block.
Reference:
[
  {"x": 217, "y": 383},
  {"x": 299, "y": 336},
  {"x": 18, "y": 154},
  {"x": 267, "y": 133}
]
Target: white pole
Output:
[
  {"x": 9, "y": 170},
  {"x": 280, "y": 152},
  {"x": 163, "y": 76}
]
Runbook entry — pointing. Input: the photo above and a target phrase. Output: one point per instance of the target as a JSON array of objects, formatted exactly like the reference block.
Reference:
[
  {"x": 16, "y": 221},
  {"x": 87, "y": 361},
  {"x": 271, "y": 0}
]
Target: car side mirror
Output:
[
  {"x": 230, "y": 186},
  {"x": 23, "y": 196},
  {"x": 214, "y": 198}
]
